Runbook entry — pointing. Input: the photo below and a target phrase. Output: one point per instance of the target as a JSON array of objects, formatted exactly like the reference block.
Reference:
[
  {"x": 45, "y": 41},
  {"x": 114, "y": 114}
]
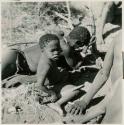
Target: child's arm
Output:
[
  {"x": 42, "y": 71},
  {"x": 68, "y": 53}
]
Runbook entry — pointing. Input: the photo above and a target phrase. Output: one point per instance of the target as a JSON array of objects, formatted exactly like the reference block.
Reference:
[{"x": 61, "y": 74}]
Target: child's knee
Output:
[
  {"x": 67, "y": 87},
  {"x": 69, "y": 90}
]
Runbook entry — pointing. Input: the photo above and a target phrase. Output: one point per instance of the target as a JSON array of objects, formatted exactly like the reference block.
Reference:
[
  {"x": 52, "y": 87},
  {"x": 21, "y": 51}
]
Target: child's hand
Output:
[
  {"x": 39, "y": 92},
  {"x": 52, "y": 95},
  {"x": 45, "y": 97},
  {"x": 77, "y": 108}
]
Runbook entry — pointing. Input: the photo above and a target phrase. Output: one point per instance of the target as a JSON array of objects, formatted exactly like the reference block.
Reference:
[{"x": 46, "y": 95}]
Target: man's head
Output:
[
  {"x": 50, "y": 44},
  {"x": 79, "y": 37}
]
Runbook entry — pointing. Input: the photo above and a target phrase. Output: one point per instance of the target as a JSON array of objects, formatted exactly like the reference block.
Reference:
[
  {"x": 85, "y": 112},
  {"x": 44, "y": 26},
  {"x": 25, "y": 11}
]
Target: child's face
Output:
[{"x": 53, "y": 50}]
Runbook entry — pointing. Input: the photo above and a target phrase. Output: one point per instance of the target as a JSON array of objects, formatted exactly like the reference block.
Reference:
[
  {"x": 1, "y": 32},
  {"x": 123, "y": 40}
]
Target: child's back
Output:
[{"x": 32, "y": 55}]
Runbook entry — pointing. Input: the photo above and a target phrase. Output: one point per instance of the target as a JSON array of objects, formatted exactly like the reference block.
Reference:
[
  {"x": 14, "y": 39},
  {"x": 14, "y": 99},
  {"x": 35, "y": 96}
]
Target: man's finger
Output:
[
  {"x": 77, "y": 110},
  {"x": 73, "y": 110},
  {"x": 68, "y": 108},
  {"x": 81, "y": 110}
]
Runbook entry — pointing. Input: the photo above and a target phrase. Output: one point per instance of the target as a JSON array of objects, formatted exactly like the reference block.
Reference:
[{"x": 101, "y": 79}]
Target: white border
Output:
[{"x": 59, "y": 1}]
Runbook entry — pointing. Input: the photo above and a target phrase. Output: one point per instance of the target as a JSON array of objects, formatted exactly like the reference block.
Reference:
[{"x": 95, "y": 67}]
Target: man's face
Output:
[{"x": 53, "y": 50}]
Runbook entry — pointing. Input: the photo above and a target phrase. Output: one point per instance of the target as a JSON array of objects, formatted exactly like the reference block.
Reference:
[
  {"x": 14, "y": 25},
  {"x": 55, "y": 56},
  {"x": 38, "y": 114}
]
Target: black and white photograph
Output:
[{"x": 61, "y": 62}]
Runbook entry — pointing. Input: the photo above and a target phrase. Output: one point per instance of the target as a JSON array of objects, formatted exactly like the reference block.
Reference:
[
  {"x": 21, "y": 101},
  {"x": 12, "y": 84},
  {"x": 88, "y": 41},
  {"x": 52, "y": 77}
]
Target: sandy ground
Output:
[{"x": 19, "y": 105}]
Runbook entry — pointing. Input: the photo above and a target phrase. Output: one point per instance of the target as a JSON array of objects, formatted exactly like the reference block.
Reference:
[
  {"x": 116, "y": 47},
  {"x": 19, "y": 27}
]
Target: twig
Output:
[
  {"x": 9, "y": 14},
  {"x": 21, "y": 43},
  {"x": 69, "y": 15},
  {"x": 68, "y": 20},
  {"x": 68, "y": 8},
  {"x": 61, "y": 16},
  {"x": 93, "y": 26},
  {"x": 63, "y": 26}
]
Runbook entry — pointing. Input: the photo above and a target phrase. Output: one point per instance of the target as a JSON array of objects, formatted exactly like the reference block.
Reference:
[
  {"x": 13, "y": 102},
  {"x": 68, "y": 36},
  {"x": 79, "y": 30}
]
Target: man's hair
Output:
[
  {"x": 45, "y": 39},
  {"x": 80, "y": 34}
]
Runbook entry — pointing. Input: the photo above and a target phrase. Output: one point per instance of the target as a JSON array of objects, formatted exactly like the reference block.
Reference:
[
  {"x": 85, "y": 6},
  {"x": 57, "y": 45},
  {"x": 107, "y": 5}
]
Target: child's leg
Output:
[
  {"x": 66, "y": 95},
  {"x": 8, "y": 63}
]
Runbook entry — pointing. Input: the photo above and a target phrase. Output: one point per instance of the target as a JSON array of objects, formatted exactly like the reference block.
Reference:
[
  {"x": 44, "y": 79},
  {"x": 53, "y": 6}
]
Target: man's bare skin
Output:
[
  {"x": 109, "y": 14},
  {"x": 113, "y": 64}
]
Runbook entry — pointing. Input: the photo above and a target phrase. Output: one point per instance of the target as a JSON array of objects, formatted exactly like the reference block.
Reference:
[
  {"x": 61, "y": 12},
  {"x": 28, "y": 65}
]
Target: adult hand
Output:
[{"x": 77, "y": 108}]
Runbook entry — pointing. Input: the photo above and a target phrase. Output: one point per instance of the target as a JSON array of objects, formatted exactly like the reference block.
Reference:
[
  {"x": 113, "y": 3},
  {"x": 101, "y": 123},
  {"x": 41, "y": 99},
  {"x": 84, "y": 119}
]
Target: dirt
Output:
[{"x": 19, "y": 106}]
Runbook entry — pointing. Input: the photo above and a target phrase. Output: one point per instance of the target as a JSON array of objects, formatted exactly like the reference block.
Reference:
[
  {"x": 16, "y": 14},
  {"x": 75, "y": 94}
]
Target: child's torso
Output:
[
  {"x": 55, "y": 75},
  {"x": 33, "y": 56}
]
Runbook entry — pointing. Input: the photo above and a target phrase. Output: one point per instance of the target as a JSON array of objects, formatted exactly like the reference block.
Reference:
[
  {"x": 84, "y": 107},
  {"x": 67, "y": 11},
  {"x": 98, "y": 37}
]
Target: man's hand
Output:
[{"x": 77, "y": 108}]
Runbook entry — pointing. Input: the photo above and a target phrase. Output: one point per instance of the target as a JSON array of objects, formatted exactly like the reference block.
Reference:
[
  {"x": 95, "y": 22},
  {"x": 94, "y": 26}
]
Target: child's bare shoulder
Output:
[{"x": 44, "y": 61}]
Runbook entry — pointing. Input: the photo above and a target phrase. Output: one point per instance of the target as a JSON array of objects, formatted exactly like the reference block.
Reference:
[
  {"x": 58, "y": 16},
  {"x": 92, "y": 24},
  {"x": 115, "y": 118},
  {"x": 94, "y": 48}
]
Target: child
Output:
[
  {"x": 84, "y": 46},
  {"x": 21, "y": 62},
  {"x": 26, "y": 61},
  {"x": 73, "y": 45},
  {"x": 47, "y": 68},
  {"x": 42, "y": 60}
]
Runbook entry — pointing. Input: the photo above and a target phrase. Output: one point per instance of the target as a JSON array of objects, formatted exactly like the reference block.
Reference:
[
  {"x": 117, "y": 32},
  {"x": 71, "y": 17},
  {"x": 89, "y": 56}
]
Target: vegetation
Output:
[{"x": 25, "y": 22}]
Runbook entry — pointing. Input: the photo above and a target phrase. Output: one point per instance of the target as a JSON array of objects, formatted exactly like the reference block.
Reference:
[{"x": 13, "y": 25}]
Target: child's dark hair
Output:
[
  {"x": 80, "y": 34},
  {"x": 45, "y": 39}
]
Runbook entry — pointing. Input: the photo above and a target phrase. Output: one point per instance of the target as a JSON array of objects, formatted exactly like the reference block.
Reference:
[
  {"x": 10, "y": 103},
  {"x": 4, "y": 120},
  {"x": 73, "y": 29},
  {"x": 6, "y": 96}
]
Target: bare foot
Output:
[{"x": 56, "y": 107}]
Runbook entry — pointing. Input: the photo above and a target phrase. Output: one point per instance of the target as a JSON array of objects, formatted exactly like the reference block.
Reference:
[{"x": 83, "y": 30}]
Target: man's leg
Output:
[{"x": 114, "y": 107}]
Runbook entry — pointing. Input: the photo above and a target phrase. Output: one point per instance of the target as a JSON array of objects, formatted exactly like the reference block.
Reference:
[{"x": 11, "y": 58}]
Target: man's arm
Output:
[
  {"x": 102, "y": 21},
  {"x": 102, "y": 75},
  {"x": 98, "y": 82}
]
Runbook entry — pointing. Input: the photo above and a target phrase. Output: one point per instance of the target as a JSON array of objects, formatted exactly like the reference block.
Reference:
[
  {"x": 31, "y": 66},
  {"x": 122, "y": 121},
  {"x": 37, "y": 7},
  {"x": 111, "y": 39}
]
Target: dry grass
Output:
[{"x": 19, "y": 106}]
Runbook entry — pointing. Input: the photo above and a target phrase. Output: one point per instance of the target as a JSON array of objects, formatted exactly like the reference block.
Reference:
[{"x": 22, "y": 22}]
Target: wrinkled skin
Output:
[{"x": 76, "y": 108}]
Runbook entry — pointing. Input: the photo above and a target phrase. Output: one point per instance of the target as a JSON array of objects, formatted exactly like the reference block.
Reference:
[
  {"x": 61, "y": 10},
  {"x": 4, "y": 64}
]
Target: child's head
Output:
[
  {"x": 50, "y": 44},
  {"x": 79, "y": 36}
]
